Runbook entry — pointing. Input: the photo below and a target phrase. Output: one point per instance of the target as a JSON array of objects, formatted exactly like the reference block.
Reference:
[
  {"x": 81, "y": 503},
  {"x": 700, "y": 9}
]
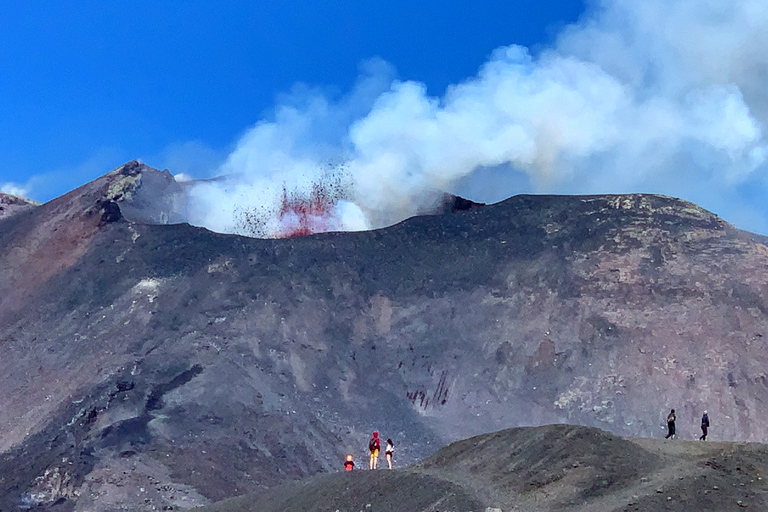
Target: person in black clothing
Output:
[
  {"x": 671, "y": 424},
  {"x": 704, "y": 426},
  {"x": 389, "y": 451}
]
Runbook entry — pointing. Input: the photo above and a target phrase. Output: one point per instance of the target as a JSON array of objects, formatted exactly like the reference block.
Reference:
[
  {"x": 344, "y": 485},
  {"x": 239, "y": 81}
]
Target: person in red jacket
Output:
[{"x": 374, "y": 445}]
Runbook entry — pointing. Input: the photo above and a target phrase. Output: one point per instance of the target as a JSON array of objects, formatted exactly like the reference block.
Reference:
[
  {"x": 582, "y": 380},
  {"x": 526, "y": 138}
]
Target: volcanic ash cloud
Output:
[{"x": 654, "y": 96}]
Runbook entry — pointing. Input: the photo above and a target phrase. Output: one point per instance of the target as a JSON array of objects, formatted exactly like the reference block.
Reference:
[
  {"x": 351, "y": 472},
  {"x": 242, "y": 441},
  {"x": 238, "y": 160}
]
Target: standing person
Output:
[
  {"x": 704, "y": 426},
  {"x": 671, "y": 424},
  {"x": 374, "y": 445},
  {"x": 389, "y": 451}
]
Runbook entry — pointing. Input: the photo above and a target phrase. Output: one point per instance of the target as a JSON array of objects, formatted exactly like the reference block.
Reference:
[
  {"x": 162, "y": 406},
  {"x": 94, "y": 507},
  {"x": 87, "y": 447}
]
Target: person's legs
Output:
[
  {"x": 370, "y": 463},
  {"x": 670, "y": 430},
  {"x": 389, "y": 460},
  {"x": 703, "y": 433}
]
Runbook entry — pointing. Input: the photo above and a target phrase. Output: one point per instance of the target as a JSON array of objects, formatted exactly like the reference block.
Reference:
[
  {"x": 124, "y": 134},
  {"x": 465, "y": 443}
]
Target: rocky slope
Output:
[
  {"x": 554, "y": 467},
  {"x": 213, "y": 365}
]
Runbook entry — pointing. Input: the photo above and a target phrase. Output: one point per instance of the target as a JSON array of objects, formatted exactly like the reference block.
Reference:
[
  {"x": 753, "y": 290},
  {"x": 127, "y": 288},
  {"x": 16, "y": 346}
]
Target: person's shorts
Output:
[{"x": 375, "y": 453}]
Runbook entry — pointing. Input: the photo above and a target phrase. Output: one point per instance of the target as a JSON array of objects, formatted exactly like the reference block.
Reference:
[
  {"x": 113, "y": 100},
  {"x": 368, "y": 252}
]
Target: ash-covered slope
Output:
[
  {"x": 199, "y": 366},
  {"x": 553, "y": 467}
]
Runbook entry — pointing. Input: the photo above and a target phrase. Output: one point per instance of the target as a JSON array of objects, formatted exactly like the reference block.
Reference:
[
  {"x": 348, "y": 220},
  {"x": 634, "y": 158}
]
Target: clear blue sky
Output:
[{"x": 87, "y": 85}]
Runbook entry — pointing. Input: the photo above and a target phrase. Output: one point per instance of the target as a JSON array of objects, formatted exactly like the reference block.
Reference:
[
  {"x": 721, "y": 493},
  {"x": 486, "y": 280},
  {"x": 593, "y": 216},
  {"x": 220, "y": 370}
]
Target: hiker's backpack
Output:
[{"x": 373, "y": 444}]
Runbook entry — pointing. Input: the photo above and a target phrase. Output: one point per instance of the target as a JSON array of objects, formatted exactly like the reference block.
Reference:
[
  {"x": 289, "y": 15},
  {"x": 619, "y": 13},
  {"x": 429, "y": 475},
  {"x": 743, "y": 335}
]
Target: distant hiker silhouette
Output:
[
  {"x": 349, "y": 464},
  {"x": 704, "y": 426},
  {"x": 374, "y": 445},
  {"x": 671, "y": 424},
  {"x": 389, "y": 451}
]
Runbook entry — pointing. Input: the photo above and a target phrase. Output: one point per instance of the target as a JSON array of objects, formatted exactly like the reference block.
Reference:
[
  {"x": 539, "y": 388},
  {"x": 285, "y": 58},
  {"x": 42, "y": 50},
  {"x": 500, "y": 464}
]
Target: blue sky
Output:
[
  {"x": 87, "y": 85},
  {"x": 407, "y": 99}
]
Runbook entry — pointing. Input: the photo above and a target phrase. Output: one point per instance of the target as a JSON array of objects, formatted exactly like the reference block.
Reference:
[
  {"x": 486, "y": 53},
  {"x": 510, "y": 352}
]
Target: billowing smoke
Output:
[{"x": 662, "y": 96}]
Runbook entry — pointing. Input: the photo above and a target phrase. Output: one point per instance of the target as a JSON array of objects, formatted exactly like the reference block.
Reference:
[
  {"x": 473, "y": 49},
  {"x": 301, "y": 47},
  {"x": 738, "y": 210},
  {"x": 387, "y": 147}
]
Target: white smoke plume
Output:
[
  {"x": 661, "y": 96},
  {"x": 13, "y": 189}
]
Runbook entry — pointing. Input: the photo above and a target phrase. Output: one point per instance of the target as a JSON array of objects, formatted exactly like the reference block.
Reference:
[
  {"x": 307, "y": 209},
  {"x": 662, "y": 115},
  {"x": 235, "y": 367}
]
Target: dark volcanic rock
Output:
[
  {"x": 454, "y": 204},
  {"x": 211, "y": 365},
  {"x": 358, "y": 490}
]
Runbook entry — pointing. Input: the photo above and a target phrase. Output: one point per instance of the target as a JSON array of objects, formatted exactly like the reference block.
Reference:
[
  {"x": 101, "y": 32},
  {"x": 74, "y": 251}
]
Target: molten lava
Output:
[
  {"x": 318, "y": 206},
  {"x": 301, "y": 214}
]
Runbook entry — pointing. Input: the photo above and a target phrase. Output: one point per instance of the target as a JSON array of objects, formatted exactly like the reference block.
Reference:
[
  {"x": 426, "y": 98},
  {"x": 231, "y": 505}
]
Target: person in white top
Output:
[{"x": 388, "y": 451}]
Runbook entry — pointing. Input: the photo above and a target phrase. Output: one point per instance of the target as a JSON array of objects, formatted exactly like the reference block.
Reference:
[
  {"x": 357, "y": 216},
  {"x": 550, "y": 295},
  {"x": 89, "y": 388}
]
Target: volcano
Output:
[{"x": 139, "y": 353}]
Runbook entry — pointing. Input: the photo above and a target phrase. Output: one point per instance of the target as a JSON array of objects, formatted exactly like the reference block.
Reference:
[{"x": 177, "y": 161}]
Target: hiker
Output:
[
  {"x": 374, "y": 445},
  {"x": 349, "y": 464},
  {"x": 671, "y": 424},
  {"x": 389, "y": 451},
  {"x": 704, "y": 426}
]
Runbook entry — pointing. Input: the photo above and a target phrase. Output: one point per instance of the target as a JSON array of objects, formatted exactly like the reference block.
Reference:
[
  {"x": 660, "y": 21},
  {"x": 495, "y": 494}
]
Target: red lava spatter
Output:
[{"x": 302, "y": 215}]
